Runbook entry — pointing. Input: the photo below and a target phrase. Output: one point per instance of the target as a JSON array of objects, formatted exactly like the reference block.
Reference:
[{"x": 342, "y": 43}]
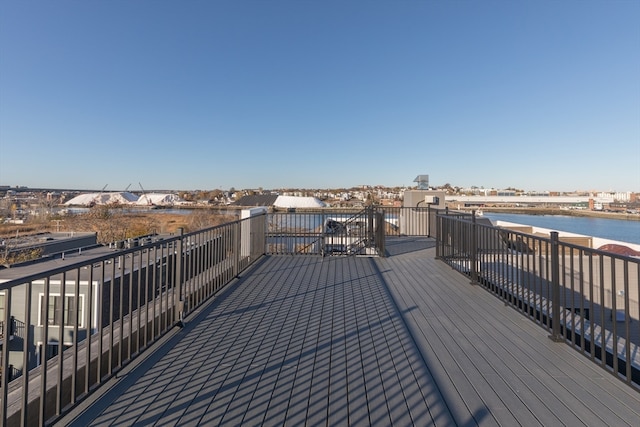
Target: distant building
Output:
[
  {"x": 273, "y": 200},
  {"x": 125, "y": 198},
  {"x": 256, "y": 200},
  {"x": 616, "y": 196},
  {"x": 422, "y": 182}
]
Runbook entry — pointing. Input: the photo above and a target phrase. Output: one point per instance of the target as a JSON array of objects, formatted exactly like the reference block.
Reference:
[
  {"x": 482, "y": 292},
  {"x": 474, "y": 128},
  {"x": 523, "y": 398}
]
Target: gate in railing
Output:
[
  {"x": 585, "y": 297},
  {"x": 326, "y": 232},
  {"x": 344, "y": 232}
]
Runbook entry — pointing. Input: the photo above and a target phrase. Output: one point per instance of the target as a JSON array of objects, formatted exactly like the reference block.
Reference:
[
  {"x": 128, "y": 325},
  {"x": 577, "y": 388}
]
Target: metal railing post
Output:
[
  {"x": 236, "y": 248},
  {"x": 4, "y": 355},
  {"x": 265, "y": 229},
  {"x": 440, "y": 233},
  {"x": 474, "y": 250},
  {"x": 369, "y": 214},
  {"x": 323, "y": 231},
  {"x": 381, "y": 233},
  {"x": 178, "y": 288},
  {"x": 446, "y": 230},
  {"x": 555, "y": 289}
]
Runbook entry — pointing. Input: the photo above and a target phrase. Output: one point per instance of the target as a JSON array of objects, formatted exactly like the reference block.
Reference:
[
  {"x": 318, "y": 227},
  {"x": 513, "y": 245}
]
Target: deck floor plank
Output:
[
  {"x": 474, "y": 346},
  {"x": 508, "y": 346},
  {"x": 401, "y": 340},
  {"x": 490, "y": 365}
]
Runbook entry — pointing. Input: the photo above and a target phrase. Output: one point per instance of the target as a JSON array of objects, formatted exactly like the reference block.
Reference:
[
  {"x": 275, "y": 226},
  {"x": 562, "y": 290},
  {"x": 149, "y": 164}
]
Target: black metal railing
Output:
[
  {"x": 327, "y": 232},
  {"x": 585, "y": 297},
  {"x": 345, "y": 232},
  {"x": 82, "y": 323}
]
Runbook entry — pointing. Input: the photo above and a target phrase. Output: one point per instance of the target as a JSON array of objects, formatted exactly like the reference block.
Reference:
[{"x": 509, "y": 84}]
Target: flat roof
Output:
[{"x": 50, "y": 263}]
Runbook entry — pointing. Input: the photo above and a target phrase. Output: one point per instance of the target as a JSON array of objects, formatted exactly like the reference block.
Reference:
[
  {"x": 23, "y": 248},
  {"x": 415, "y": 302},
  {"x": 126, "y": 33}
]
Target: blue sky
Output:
[{"x": 537, "y": 95}]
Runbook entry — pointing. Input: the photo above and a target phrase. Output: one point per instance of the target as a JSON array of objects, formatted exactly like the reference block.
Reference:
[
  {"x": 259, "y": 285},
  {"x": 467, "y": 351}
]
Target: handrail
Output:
[
  {"x": 585, "y": 297},
  {"x": 304, "y": 231},
  {"x": 88, "y": 319}
]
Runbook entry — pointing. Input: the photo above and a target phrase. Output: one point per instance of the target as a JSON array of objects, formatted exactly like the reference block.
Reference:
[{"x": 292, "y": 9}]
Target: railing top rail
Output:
[
  {"x": 101, "y": 258},
  {"x": 80, "y": 264},
  {"x": 541, "y": 238}
]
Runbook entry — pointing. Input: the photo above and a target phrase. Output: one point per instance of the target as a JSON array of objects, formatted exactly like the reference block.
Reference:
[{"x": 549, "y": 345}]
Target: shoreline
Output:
[
  {"x": 563, "y": 212},
  {"x": 494, "y": 209}
]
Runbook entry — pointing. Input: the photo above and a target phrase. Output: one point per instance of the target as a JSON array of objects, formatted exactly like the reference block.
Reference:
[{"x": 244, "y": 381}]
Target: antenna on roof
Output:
[{"x": 145, "y": 194}]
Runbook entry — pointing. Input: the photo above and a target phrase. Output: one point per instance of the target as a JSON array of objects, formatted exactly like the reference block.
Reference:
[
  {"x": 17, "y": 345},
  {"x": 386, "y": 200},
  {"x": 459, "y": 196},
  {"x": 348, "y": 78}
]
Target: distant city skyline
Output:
[
  {"x": 4, "y": 188},
  {"x": 536, "y": 95}
]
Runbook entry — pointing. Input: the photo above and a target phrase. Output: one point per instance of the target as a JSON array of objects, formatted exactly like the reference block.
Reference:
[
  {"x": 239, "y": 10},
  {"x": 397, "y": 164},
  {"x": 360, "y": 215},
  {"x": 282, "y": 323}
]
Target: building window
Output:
[
  {"x": 51, "y": 313},
  {"x": 2, "y": 302}
]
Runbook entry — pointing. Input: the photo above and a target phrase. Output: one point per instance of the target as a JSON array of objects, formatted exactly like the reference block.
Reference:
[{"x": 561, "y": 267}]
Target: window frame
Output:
[{"x": 65, "y": 315}]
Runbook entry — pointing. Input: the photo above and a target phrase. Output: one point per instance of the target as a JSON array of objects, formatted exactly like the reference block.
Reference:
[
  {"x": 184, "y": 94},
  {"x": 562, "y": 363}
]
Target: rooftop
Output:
[{"x": 401, "y": 340}]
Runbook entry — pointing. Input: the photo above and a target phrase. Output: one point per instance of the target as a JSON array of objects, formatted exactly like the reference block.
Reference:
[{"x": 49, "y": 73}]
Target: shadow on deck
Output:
[{"x": 402, "y": 340}]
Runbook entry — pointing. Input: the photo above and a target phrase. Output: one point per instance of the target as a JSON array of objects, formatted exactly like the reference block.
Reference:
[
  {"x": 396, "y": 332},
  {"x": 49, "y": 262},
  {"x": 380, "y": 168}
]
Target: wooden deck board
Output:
[
  {"x": 402, "y": 340},
  {"x": 506, "y": 346}
]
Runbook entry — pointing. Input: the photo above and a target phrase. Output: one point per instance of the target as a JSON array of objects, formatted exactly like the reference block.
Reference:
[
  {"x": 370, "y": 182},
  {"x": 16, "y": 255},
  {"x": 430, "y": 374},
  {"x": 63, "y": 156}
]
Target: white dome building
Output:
[
  {"x": 90, "y": 199},
  {"x": 298, "y": 202},
  {"x": 159, "y": 199}
]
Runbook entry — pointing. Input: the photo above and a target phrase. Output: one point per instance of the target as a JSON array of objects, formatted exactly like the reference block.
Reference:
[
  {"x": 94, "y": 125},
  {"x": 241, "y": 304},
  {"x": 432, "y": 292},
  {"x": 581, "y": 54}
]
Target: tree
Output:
[
  {"x": 202, "y": 219},
  {"x": 8, "y": 257}
]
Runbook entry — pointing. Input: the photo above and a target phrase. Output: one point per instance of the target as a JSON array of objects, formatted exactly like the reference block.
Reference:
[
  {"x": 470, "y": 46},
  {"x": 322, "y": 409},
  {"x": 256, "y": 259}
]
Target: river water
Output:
[{"x": 614, "y": 229}]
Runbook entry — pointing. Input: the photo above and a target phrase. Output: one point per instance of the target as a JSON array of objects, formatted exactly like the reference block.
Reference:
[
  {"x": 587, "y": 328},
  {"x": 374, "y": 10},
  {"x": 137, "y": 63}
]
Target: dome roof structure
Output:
[{"x": 90, "y": 199}]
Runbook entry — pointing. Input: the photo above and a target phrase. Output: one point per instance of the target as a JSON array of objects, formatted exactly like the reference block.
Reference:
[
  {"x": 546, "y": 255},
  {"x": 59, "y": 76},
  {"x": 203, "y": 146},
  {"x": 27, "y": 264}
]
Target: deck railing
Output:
[
  {"x": 585, "y": 297},
  {"x": 340, "y": 231},
  {"x": 87, "y": 320},
  {"x": 78, "y": 325},
  {"x": 326, "y": 232},
  {"x": 83, "y": 322}
]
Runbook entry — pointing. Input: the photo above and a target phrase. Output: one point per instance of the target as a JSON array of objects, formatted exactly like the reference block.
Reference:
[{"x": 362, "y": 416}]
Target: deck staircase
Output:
[{"x": 359, "y": 234}]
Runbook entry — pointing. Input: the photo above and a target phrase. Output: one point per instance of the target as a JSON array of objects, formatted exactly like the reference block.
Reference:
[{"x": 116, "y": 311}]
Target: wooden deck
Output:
[{"x": 402, "y": 340}]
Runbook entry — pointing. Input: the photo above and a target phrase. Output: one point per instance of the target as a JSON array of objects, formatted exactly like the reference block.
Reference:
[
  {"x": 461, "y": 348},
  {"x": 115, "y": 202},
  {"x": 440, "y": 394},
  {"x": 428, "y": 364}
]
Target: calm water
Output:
[{"x": 614, "y": 229}]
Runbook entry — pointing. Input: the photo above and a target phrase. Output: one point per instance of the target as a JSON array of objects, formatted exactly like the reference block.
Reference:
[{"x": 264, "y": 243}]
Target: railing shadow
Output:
[
  {"x": 325, "y": 341},
  {"x": 476, "y": 416}
]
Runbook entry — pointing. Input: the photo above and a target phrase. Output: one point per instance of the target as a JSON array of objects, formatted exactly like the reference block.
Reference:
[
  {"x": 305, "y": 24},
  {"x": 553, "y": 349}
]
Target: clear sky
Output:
[{"x": 537, "y": 95}]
